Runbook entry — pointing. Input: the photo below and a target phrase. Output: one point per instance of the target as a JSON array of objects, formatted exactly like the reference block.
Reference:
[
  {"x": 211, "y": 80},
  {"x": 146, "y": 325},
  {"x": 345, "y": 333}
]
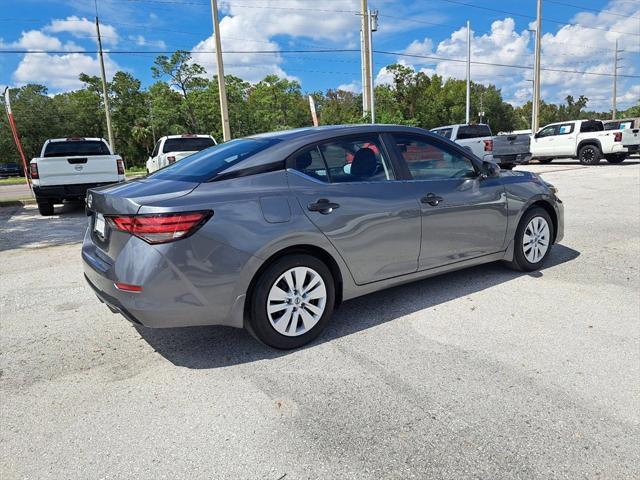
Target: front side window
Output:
[
  {"x": 427, "y": 160},
  {"x": 549, "y": 131},
  {"x": 444, "y": 132},
  {"x": 346, "y": 160}
]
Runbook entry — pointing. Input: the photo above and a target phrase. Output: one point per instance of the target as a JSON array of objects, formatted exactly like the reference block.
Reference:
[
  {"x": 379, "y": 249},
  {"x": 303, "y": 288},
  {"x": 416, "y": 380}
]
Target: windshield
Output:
[
  {"x": 473, "y": 131},
  {"x": 76, "y": 148},
  {"x": 206, "y": 164},
  {"x": 194, "y": 144}
]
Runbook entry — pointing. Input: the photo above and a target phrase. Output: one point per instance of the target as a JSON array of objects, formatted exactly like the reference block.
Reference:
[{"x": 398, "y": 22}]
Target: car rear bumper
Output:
[
  {"x": 175, "y": 293},
  {"x": 66, "y": 191},
  {"x": 512, "y": 159}
]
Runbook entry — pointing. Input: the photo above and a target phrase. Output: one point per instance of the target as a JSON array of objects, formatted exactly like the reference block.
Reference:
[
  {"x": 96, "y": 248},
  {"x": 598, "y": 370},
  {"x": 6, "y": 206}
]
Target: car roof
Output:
[
  {"x": 187, "y": 135},
  {"x": 76, "y": 139}
]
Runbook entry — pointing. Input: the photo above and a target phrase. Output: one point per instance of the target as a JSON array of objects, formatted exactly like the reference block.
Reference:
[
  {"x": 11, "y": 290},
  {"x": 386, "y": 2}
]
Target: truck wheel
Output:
[
  {"x": 507, "y": 166},
  {"x": 545, "y": 160},
  {"x": 589, "y": 155},
  {"x": 45, "y": 207},
  {"x": 616, "y": 158}
]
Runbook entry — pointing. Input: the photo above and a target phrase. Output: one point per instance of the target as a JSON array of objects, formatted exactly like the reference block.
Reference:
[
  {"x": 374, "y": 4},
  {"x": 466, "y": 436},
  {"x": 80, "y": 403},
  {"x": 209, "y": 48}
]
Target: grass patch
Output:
[{"x": 12, "y": 181}]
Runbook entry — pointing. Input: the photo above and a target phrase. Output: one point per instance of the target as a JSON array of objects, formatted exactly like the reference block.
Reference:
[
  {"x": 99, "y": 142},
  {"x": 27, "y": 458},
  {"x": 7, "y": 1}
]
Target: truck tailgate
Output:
[
  {"x": 630, "y": 137},
  {"x": 77, "y": 170}
]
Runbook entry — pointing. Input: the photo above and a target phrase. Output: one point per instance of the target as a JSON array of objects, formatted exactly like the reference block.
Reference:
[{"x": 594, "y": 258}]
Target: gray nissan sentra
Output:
[{"x": 272, "y": 232}]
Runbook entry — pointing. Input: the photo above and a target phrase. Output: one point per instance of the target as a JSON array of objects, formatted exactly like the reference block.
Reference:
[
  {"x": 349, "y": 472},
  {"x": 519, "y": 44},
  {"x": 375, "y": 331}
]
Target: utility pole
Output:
[
  {"x": 105, "y": 93},
  {"x": 614, "y": 109},
  {"x": 366, "y": 46},
  {"x": 468, "y": 109},
  {"x": 536, "y": 72},
  {"x": 224, "y": 112},
  {"x": 372, "y": 18}
]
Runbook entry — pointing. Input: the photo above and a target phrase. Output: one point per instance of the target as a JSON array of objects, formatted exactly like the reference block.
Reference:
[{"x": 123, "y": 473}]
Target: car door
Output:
[
  {"x": 564, "y": 141},
  {"x": 543, "y": 143},
  {"x": 347, "y": 187},
  {"x": 464, "y": 215}
]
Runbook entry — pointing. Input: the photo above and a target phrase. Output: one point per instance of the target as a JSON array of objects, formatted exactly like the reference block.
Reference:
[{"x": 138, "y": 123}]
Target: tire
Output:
[
  {"x": 616, "y": 158},
  {"x": 589, "y": 155},
  {"x": 545, "y": 160},
  {"x": 526, "y": 259},
  {"x": 507, "y": 166},
  {"x": 45, "y": 207},
  {"x": 284, "y": 328}
]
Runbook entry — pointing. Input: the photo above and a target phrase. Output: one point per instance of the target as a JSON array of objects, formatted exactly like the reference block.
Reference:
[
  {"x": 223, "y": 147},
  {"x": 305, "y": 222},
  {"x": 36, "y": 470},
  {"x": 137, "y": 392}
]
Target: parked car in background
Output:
[
  {"x": 271, "y": 232},
  {"x": 11, "y": 169},
  {"x": 475, "y": 137},
  {"x": 512, "y": 148},
  {"x": 586, "y": 140},
  {"x": 67, "y": 167},
  {"x": 173, "y": 148}
]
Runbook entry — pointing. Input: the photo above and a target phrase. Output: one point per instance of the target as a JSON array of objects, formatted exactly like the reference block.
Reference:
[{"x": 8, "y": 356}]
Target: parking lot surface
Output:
[{"x": 483, "y": 373}]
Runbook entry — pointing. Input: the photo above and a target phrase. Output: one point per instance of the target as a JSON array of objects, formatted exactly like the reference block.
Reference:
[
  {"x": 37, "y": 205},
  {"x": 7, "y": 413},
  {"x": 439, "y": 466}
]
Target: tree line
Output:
[{"x": 184, "y": 100}]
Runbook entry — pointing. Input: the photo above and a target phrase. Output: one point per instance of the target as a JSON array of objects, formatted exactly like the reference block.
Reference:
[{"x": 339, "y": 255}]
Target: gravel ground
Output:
[{"x": 484, "y": 373}]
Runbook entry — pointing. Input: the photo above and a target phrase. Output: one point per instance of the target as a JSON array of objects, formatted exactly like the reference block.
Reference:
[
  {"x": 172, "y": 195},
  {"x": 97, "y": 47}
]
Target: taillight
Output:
[
  {"x": 617, "y": 137},
  {"x": 120, "y": 164},
  {"x": 488, "y": 145},
  {"x": 160, "y": 228},
  {"x": 126, "y": 287},
  {"x": 171, "y": 160},
  {"x": 33, "y": 169}
]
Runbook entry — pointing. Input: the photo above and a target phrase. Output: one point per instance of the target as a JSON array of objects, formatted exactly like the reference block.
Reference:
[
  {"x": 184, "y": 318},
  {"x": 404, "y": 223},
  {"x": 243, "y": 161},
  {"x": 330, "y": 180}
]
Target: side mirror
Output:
[{"x": 490, "y": 169}]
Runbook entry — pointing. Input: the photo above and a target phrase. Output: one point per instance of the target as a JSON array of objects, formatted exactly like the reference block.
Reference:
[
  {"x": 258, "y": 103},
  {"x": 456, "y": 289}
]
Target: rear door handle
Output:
[
  {"x": 323, "y": 206},
  {"x": 432, "y": 199}
]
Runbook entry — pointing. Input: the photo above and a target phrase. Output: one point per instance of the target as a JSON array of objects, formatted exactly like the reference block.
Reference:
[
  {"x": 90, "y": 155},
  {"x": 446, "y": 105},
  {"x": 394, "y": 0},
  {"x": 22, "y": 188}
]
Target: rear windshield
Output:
[
  {"x": 76, "y": 148},
  {"x": 193, "y": 144},
  {"x": 206, "y": 164},
  {"x": 473, "y": 131}
]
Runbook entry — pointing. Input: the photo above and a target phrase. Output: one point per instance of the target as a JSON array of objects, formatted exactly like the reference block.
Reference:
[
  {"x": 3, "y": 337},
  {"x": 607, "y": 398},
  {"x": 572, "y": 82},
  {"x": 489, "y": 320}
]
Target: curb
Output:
[{"x": 17, "y": 202}]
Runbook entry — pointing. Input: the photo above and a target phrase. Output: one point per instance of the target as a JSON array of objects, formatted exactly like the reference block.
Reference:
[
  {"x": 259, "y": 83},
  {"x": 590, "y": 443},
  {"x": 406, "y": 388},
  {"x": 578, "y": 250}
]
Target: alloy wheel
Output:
[
  {"x": 536, "y": 239},
  {"x": 296, "y": 301}
]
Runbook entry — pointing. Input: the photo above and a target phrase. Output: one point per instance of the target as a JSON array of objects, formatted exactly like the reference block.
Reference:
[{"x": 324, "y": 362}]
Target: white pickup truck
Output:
[
  {"x": 173, "y": 148},
  {"x": 68, "y": 167},
  {"x": 586, "y": 140},
  {"x": 475, "y": 137}
]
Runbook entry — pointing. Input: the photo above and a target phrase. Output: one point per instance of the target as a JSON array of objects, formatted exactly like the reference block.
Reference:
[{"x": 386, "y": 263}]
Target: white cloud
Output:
[
  {"x": 83, "y": 28},
  {"x": 353, "y": 87},
  {"x": 145, "y": 42}
]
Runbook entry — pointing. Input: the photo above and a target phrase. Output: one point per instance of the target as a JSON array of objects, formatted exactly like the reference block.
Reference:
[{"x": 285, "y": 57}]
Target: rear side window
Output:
[
  {"x": 591, "y": 126},
  {"x": 76, "y": 148},
  {"x": 473, "y": 131},
  {"x": 206, "y": 164},
  {"x": 565, "y": 128},
  {"x": 444, "y": 132},
  {"x": 194, "y": 144}
]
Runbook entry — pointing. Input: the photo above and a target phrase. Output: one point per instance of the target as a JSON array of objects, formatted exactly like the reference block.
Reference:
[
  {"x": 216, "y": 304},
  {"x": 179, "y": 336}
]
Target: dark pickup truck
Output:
[{"x": 511, "y": 149}]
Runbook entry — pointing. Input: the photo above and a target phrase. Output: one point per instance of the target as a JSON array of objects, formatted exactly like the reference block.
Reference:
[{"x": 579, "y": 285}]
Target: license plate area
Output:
[{"x": 99, "y": 225}]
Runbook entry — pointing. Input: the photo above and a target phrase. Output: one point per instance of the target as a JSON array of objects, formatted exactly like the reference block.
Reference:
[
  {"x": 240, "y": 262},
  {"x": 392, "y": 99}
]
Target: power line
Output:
[{"x": 582, "y": 7}]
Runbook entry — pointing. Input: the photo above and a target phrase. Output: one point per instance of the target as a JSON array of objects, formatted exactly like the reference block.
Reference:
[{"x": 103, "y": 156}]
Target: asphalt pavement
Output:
[{"x": 484, "y": 373}]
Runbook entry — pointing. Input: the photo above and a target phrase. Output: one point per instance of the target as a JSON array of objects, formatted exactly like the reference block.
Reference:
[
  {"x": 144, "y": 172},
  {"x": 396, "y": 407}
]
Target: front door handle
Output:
[
  {"x": 323, "y": 206},
  {"x": 432, "y": 199}
]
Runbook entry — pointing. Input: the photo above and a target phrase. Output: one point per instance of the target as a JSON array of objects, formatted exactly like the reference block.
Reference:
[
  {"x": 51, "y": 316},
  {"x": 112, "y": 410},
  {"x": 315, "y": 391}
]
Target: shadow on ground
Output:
[
  {"x": 24, "y": 227},
  {"x": 213, "y": 347}
]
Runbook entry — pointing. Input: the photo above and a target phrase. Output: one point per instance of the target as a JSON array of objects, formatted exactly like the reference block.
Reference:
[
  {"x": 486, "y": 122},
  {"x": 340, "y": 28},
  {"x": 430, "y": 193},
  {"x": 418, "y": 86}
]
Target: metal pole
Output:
[
  {"x": 615, "y": 84},
  {"x": 536, "y": 70},
  {"x": 366, "y": 88},
  {"x": 105, "y": 93},
  {"x": 224, "y": 112},
  {"x": 363, "y": 81},
  {"x": 468, "y": 108},
  {"x": 372, "y": 93}
]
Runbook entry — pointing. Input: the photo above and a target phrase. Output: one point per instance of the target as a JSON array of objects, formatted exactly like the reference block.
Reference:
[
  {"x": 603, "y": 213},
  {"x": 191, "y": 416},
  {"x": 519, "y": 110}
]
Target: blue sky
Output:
[{"x": 577, "y": 37}]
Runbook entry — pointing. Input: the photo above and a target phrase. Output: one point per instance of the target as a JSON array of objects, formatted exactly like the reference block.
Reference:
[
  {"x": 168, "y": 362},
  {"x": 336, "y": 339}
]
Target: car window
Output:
[
  {"x": 187, "y": 144},
  {"x": 156, "y": 148},
  {"x": 625, "y": 125},
  {"x": 473, "y": 131},
  {"x": 591, "y": 126},
  {"x": 310, "y": 163},
  {"x": 565, "y": 129},
  {"x": 444, "y": 132},
  {"x": 427, "y": 160},
  {"x": 75, "y": 148},
  {"x": 548, "y": 131},
  {"x": 354, "y": 160}
]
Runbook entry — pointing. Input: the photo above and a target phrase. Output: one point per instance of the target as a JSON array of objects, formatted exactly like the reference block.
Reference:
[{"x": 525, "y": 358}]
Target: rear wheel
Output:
[
  {"x": 589, "y": 155},
  {"x": 532, "y": 242},
  {"x": 45, "y": 207},
  {"x": 616, "y": 158},
  {"x": 292, "y": 302},
  {"x": 507, "y": 166}
]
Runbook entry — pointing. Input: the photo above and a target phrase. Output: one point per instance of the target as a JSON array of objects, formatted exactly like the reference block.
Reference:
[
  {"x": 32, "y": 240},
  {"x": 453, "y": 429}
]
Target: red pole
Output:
[{"x": 16, "y": 137}]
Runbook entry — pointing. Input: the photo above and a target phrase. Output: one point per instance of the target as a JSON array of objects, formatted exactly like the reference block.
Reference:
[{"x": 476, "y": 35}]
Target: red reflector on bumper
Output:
[{"x": 125, "y": 287}]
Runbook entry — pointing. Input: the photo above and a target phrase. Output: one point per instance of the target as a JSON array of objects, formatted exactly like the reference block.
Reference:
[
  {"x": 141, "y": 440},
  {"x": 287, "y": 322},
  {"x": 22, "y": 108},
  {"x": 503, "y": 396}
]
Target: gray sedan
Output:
[{"x": 272, "y": 232}]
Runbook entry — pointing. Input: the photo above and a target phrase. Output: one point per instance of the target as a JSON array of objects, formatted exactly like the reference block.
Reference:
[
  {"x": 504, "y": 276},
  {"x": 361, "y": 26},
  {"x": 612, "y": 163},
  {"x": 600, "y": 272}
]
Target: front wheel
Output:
[
  {"x": 292, "y": 302},
  {"x": 533, "y": 239},
  {"x": 616, "y": 158},
  {"x": 589, "y": 155}
]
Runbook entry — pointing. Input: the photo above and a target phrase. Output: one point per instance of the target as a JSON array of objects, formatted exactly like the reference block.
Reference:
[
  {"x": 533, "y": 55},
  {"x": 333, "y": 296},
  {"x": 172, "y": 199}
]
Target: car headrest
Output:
[
  {"x": 303, "y": 161},
  {"x": 364, "y": 163}
]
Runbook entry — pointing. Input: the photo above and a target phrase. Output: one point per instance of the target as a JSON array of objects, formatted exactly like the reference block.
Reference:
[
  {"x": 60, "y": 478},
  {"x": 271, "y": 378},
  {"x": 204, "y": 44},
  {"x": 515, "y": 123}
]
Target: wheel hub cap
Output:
[
  {"x": 296, "y": 301},
  {"x": 536, "y": 239}
]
